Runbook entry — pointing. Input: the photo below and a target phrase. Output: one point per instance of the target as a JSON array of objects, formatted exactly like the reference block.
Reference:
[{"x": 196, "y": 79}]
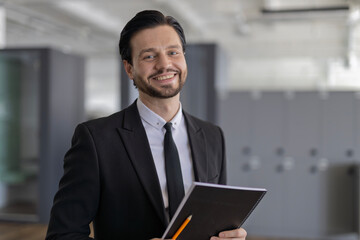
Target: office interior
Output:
[{"x": 281, "y": 77}]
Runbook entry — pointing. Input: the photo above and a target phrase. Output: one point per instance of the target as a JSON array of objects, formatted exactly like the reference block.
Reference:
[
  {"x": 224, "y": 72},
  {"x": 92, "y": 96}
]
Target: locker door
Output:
[
  {"x": 357, "y": 127},
  {"x": 357, "y": 160},
  {"x": 234, "y": 119},
  {"x": 338, "y": 147},
  {"x": 302, "y": 182},
  {"x": 338, "y": 131},
  {"x": 266, "y": 138}
]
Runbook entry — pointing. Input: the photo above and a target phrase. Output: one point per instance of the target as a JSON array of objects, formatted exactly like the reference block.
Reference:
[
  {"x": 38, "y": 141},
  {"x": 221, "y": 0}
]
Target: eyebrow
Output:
[
  {"x": 174, "y": 46},
  {"x": 154, "y": 49}
]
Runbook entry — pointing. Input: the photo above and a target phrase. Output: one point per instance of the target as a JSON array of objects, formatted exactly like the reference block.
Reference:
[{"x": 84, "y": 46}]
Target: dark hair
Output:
[{"x": 143, "y": 20}]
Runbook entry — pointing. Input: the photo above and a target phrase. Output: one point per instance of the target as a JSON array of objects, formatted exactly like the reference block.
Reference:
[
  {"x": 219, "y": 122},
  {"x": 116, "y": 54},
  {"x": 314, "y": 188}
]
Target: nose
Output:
[{"x": 163, "y": 62}]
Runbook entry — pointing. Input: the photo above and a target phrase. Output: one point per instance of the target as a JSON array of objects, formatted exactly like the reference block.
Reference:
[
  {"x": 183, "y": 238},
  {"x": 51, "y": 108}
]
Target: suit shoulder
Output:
[{"x": 112, "y": 120}]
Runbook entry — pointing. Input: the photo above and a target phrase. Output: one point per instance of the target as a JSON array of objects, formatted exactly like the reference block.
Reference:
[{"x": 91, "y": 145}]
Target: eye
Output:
[
  {"x": 173, "y": 53},
  {"x": 149, "y": 57}
]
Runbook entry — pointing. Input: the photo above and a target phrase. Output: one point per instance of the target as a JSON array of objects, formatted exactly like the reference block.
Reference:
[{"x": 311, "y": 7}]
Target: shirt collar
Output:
[{"x": 154, "y": 119}]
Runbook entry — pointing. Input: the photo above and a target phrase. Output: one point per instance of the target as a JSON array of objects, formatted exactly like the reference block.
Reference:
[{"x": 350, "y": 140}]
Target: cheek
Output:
[
  {"x": 141, "y": 71},
  {"x": 145, "y": 69},
  {"x": 181, "y": 65},
  {"x": 183, "y": 68},
  {"x": 184, "y": 76}
]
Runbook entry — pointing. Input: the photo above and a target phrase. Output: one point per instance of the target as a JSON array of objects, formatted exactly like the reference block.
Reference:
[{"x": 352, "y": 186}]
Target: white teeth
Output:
[{"x": 165, "y": 77}]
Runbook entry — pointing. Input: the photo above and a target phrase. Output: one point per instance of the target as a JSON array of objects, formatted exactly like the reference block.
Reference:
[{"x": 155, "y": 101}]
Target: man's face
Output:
[{"x": 159, "y": 68}]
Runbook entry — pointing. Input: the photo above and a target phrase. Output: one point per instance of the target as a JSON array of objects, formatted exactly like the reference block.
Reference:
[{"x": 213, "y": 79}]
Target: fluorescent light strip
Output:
[{"x": 92, "y": 14}]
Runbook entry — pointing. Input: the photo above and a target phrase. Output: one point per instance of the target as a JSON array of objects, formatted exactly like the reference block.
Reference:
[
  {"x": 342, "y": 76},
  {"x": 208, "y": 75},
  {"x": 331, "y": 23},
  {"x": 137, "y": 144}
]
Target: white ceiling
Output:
[
  {"x": 273, "y": 49},
  {"x": 270, "y": 44},
  {"x": 92, "y": 27}
]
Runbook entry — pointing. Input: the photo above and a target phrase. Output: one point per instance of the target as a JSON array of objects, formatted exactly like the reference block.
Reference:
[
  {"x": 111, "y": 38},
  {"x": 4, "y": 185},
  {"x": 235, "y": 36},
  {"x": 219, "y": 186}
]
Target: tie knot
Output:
[{"x": 167, "y": 126}]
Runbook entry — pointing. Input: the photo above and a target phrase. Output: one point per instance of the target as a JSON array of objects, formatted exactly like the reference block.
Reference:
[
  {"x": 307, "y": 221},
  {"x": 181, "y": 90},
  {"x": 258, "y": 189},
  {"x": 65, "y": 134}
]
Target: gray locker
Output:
[
  {"x": 339, "y": 131},
  {"x": 338, "y": 126},
  {"x": 267, "y": 145},
  {"x": 253, "y": 126},
  {"x": 302, "y": 147},
  {"x": 304, "y": 207},
  {"x": 357, "y": 126},
  {"x": 237, "y": 136}
]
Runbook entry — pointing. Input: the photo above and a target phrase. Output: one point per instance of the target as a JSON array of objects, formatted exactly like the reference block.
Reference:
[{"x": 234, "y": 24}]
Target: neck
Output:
[{"x": 166, "y": 108}]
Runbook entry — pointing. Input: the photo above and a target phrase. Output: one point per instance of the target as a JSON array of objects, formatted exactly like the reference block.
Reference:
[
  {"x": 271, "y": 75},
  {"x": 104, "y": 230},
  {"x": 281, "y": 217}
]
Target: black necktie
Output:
[{"x": 174, "y": 179}]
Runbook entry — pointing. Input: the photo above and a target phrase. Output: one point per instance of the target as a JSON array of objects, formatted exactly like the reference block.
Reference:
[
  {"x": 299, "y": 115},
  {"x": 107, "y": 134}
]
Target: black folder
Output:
[{"x": 214, "y": 208}]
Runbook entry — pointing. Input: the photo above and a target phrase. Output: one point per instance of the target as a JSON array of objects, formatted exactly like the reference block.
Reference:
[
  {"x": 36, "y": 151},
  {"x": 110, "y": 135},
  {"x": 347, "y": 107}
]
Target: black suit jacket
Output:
[{"x": 110, "y": 178}]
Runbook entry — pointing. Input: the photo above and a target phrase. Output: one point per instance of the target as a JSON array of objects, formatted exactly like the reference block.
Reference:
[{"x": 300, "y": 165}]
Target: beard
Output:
[{"x": 165, "y": 91}]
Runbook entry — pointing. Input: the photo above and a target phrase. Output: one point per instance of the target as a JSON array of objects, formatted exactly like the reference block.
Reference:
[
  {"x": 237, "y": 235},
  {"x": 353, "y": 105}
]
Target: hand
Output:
[{"x": 236, "y": 234}]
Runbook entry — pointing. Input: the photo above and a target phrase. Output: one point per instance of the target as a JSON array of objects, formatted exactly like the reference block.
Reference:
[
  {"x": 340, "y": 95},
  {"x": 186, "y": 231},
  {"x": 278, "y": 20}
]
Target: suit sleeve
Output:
[
  {"x": 223, "y": 176},
  {"x": 76, "y": 202}
]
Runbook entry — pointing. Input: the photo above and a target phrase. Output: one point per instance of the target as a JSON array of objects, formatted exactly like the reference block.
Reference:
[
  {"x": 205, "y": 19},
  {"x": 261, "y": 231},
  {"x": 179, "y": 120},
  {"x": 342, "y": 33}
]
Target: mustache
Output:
[{"x": 163, "y": 71}]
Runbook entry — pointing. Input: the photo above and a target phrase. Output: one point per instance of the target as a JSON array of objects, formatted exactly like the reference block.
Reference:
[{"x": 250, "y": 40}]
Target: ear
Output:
[{"x": 128, "y": 69}]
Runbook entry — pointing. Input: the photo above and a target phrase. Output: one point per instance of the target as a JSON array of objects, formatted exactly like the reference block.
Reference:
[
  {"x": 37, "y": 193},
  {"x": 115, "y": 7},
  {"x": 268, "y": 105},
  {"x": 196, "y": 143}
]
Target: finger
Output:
[
  {"x": 236, "y": 233},
  {"x": 218, "y": 238}
]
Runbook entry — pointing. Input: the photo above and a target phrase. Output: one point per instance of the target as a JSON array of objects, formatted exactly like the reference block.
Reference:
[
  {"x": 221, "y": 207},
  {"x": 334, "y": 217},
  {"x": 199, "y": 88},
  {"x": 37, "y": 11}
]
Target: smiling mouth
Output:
[{"x": 161, "y": 78}]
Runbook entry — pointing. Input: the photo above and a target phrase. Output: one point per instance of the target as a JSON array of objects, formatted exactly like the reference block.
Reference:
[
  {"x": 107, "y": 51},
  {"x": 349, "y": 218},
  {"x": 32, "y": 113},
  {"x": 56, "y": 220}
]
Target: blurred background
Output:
[{"x": 281, "y": 77}]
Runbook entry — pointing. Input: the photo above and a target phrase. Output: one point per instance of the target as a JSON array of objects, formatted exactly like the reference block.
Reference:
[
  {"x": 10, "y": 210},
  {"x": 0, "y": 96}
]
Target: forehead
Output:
[{"x": 157, "y": 37}]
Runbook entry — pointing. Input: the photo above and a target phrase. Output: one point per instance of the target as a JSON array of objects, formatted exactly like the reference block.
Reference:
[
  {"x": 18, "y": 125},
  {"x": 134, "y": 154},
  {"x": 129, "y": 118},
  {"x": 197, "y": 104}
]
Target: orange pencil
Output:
[{"x": 182, "y": 227}]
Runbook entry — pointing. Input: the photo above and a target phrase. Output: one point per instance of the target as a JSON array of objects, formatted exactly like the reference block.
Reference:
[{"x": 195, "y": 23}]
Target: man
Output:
[{"x": 116, "y": 172}]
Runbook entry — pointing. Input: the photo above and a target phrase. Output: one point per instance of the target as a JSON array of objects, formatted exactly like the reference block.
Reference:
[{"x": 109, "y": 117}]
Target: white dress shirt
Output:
[{"x": 155, "y": 131}]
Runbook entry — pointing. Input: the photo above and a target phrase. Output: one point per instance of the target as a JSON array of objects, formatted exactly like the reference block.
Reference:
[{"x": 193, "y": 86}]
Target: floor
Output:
[
  {"x": 17, "y": 231},
  {"x": 27, "y": 231}
]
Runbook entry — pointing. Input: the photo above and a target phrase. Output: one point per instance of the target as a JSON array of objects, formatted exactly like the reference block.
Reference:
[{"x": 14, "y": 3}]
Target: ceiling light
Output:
[{"x": 88, "y": 12}]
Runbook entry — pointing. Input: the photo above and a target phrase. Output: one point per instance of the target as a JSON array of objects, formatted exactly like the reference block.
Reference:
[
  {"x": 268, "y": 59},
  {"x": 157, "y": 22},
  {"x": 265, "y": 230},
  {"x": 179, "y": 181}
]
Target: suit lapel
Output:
[
  {"x": 198, "y": 148},
  {"x": 136, "y": 143}
]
